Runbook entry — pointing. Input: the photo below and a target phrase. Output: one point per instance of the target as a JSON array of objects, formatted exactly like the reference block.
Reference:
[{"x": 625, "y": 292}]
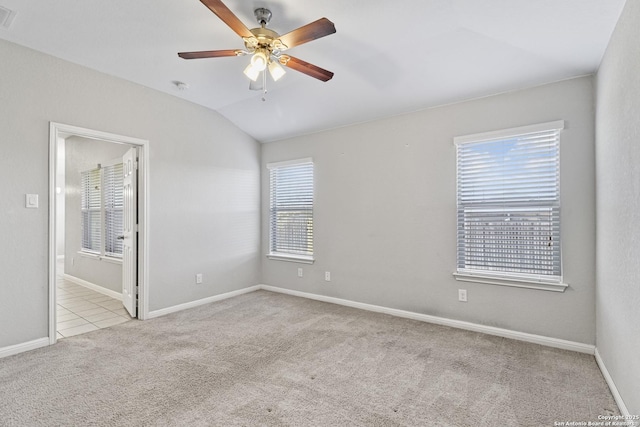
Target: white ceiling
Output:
[{"x": 388, "y": 57}]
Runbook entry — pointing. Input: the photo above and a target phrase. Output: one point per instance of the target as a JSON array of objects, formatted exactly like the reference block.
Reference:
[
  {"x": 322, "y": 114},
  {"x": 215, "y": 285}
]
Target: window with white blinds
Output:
[
  {"x": 102, "y": 210},
  {"x": 508, "y": 204},
  {"x": 113, "y": 209},
  {"x": 91, "y": 211},
  {"x": 291, "y": 209}
]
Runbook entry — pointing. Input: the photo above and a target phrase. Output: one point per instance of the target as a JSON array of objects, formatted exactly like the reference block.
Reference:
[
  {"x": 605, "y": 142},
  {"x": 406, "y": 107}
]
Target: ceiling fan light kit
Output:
[
  {"x": 251, "y": 72},
  {"x": 259, "y": 60},
  {"x": 276, "y": 71},
  {"x": 266, "y": 46}
]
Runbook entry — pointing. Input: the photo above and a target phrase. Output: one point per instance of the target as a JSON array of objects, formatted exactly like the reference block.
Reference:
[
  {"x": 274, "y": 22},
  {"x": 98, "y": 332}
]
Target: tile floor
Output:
[{"x": 83, "y": 310}]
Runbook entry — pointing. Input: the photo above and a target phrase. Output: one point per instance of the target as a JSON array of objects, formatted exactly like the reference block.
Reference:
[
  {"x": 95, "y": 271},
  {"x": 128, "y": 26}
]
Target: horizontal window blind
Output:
[
  {"x": 291, "y": 209},
  {"x": 113, "y": 208},
  {"x": 102, "y": 210},
  {"x": 91, "y": 210},
  {"x": 508, "y": 198}
]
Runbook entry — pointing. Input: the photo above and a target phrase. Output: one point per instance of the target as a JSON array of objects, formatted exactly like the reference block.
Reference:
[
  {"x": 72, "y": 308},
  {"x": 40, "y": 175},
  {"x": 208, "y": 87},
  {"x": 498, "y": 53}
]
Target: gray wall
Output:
[
  {"x": 385, "y": 201},
  {"x": 618, "y": 207},
  {"x": 385, "y": 213},
  {"x": 204, "y": 185},
  {"x": 83, "y": 154}
]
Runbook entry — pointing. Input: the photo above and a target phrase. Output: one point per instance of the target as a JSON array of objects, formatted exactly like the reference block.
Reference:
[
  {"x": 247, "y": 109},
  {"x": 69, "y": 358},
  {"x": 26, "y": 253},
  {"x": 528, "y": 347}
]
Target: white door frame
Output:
[
  {"x": 129, "y": 230},
  {"x": 58, "y": 132}
]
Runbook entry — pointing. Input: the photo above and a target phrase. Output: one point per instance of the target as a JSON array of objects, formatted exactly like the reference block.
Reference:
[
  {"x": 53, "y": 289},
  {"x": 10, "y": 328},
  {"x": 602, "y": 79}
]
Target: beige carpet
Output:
[{"x": 265, "y": 359}]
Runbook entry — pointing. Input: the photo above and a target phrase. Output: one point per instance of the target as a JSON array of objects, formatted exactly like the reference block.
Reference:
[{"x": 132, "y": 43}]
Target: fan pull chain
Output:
[{"x": 264, "y": 85}]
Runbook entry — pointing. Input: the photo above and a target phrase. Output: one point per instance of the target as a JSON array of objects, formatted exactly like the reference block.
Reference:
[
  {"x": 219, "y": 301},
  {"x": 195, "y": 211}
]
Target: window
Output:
[
  {"x": 508, "y": 207},
  {"x": 291, "y": 210},
  {"x": 112, "y": 178},
  {"x": 102, "y": 210},
  {"x": 91, "y": 202}
]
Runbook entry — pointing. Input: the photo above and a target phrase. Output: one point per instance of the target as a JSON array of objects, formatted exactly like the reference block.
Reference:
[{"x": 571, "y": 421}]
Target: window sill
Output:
[
  {"x": 98, "y": 257},
  {"x": 91, "y": 255},
  {"x": 516, "y": 283},
  {"x": 291, "y": 258}
]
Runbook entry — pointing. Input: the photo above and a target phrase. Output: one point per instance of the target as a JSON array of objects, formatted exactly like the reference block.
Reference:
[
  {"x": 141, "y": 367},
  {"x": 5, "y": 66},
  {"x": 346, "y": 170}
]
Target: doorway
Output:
[{"x": 114, "y": 265}]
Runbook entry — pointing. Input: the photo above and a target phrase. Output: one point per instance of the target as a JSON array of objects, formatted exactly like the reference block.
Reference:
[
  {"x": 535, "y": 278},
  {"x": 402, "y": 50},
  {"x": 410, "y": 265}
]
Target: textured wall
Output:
[
  {"x": 203, "y": 190},
  {"x": 618, "y": 207},
  {"x": 385, "y": 213}
]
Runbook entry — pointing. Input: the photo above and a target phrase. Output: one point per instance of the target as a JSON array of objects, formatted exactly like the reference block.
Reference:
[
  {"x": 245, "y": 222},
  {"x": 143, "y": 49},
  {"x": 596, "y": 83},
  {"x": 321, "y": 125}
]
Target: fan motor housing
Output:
[{"x": 266, "y": 39}]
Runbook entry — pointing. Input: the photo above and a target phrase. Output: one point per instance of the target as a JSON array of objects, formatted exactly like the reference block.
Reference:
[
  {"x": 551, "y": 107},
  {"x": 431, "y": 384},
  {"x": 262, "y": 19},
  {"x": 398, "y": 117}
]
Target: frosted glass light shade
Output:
[
  {"x": 276, "y": 71},
  {"x": 251, "y": 72},
  {"x": 259, "y": 61}
]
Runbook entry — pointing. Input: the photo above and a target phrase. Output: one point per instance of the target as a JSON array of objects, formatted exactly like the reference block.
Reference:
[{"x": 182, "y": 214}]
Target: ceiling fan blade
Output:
[
  {"x": 315, "y": 30},
  {"x": 210, "y": 54},
  {"x": 225, "y": 14},
  {"x": 306, "y": 68}
]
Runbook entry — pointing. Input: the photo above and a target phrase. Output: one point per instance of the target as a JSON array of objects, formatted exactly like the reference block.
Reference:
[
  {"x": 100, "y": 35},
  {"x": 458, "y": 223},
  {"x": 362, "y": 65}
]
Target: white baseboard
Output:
[
  {"x": 43, "y": 342},
  {"x": 93, "y": 287},
  {"x": 25, "y": 346},
  {"x": 612, "y": 385},
  {"x": 180, "y": 307},
  {"x": 506, "y": 333}
]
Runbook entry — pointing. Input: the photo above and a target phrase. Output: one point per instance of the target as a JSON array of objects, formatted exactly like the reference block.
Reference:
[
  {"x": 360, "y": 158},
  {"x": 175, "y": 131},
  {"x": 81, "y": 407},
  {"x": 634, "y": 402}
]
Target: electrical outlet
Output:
[
  {"x": 198, "y": 278},
  {"x": 327, "y": 276},
  {"x": 300, "y": 272},
  {"x": 462, "y": 295}
]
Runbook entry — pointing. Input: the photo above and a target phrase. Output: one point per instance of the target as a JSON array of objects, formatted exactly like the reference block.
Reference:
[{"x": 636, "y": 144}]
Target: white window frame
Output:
[
  {"x": 504, "y": 278},
  {"x": 102, "y": 254},
  {"x": 88, "y": 210},
  {"x": 274, "y": 254}
]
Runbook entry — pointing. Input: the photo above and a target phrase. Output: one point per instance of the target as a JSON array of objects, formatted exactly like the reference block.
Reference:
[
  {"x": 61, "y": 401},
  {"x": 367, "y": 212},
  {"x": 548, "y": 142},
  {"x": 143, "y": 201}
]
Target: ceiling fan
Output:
[{"x": 266, "y": 46}]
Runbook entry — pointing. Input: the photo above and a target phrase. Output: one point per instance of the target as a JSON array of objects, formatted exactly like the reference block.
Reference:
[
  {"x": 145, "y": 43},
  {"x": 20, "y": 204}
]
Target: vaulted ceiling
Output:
[{"x": 389, "y": 57}]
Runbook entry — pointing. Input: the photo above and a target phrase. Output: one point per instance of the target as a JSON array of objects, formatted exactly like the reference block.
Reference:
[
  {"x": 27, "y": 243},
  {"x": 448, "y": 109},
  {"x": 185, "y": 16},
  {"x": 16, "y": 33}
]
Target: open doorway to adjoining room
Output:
[{"x": 98, "y": 233}]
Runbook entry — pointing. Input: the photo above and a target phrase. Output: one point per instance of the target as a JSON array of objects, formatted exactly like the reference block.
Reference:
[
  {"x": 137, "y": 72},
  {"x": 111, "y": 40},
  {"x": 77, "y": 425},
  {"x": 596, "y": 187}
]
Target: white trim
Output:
[
  {"x": 292, "y": 258},
  {"x": 58, "y": 132},
  {"x": 192, "y": 304},
  {"x": 143, "y": 231},
  {"x": 97, "y": 257},
  {"x": 111, "y": 259},
  {"x": 25, "y": 346},
  {"x": 60, "y": 257},
  {"x": 290, "y": 163},
  {"x": 54, "y": 138},
  {"x": 490, "y": 330},
  {"x": 87, "y": 254},
  {"x": 612, "y": 385},
  {"x": 66, "y": 131},
  {"x": 93, "y": 287},
  {"x": 516, "y": 283},
  {"x": 508, "y": 133}
]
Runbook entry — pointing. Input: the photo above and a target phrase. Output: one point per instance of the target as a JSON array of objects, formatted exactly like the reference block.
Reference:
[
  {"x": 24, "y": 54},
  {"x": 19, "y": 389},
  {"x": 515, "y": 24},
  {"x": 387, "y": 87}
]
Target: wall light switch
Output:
[
  {"x": 327, "y": 276},
  {"x": 198, "y": 278},
  {"x": 462, "y": 295},
  {"x": 31, "y": 201},
  {"x": 299, "y": 272}
]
